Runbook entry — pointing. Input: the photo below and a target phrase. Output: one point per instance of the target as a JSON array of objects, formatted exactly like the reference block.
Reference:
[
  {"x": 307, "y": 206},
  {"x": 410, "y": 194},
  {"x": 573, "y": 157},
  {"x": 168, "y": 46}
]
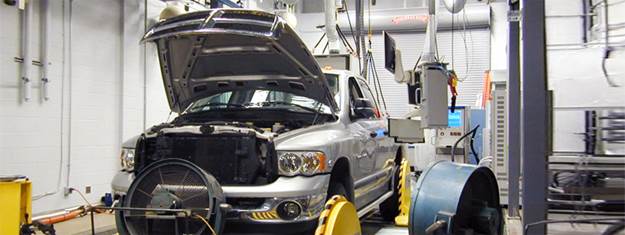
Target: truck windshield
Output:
[{"x": 258, "y": 99}]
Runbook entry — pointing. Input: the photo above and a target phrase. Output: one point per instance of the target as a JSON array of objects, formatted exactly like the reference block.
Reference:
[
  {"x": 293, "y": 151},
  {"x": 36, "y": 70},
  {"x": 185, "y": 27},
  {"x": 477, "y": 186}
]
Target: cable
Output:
[
  {"x": 453, "y": 148},
  {"x": 351, "y": 29},
  {"x": 379, "y": 84},
  {"x": 349, "y": 21},
  {"x": 607, "y": 48},
  {"x": 477, "y": 159},
  {"x": 453, "y": 16},
  {"x": 318, "y": 42},
  {"x": 527, "y": 226},
  {"x": 81, "y": 195},
  {"x": 325, "y": 47},
  {"x": 345, "y": 42},
  {"x": 206, "y": 223},
  {"x": 466, "y": 48}
]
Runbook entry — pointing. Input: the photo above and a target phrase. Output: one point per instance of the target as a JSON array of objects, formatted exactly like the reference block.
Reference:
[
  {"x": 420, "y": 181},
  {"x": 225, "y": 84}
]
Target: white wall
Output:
[
  {"x": 101, "y": 93},
  {"x": 573, "y": 71}
]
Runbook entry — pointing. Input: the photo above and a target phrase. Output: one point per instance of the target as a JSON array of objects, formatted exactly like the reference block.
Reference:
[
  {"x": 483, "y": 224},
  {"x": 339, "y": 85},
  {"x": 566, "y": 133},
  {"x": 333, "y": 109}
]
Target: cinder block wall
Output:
[{"x": 104, "y": 88}]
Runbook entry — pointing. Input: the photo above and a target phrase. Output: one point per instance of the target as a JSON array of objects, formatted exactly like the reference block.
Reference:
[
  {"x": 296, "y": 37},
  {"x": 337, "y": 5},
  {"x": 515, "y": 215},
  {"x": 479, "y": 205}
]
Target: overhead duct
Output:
[
  {"x": 330, "y": 16},
  {"x": 405, "y": 19}
]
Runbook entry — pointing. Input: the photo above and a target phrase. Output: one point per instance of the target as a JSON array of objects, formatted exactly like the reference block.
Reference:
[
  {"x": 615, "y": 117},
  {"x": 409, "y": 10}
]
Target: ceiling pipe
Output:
[
  {"x": 416, "y": 19},
  {"x": 25, "y": 50}
]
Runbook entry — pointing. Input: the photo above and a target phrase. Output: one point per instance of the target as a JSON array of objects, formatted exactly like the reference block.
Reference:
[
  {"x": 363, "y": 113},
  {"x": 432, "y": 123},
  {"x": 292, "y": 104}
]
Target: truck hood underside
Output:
[{"x": 209, "y": 52}]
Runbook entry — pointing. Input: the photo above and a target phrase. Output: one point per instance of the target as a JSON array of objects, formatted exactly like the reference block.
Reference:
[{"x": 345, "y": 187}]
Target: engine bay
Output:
[{"x": 234, "y": 154}]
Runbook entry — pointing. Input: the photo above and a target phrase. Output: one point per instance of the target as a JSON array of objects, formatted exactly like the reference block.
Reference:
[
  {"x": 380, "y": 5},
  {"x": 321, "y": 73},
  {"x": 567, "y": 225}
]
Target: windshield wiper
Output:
[
  {"x": 211, "y": 104},
  {"x": 265, "y": 103}
]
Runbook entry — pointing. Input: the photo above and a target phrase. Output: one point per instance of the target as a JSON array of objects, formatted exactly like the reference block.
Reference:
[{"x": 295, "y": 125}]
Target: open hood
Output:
[{"x": 209, "y": 52}]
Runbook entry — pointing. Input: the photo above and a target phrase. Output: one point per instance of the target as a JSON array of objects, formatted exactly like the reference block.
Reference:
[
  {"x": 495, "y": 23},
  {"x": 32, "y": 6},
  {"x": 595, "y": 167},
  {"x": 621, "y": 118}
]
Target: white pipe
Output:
[
  {"x": 330, "y": 16},
  {"x": 429, "y": 47},
  {"x": 26, "y": 57},
  {"x": 45, "y": 45},
  {"x": 67, "y": 43},
  {"x": 46, "y": 11}
]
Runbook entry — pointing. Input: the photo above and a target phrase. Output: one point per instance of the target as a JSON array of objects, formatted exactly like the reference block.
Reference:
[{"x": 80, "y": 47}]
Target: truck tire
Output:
[
  {"x": 389, "y": 209},
  {"x": 336, "y": 188},
  {"x": 119, "y": 219}
]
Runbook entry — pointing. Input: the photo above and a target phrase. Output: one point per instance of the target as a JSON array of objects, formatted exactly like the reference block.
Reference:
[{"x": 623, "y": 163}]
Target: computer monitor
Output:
[
  {"x": 456, "y": 118},
  {"x": 389, "y": 53}
]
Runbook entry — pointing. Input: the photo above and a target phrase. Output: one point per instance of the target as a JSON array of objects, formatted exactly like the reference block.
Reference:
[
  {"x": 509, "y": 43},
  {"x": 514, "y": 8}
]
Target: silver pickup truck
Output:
[{"x": 258, "y": 113}]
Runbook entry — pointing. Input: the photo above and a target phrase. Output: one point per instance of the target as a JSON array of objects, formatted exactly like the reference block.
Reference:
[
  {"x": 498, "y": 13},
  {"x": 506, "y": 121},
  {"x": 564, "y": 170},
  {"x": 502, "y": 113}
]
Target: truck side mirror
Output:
[{"x": 363, "y": 108}]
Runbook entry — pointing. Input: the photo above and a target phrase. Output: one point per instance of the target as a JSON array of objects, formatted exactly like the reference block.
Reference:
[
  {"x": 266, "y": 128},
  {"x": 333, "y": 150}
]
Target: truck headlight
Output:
[
  {"x": 127, "y": 158},
  {"x": 301, "y": 163}
]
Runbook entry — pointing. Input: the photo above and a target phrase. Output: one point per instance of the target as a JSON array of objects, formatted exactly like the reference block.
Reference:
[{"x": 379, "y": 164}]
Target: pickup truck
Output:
[{"x": 314, "y": 133}]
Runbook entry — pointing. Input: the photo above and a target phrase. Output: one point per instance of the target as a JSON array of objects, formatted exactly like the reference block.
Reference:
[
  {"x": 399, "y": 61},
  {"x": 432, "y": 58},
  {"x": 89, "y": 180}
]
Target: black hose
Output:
[
  {"x": 453, "y": 148},
  {"x": 318, "y": 42},
  {"x": 477, "y": 159}
]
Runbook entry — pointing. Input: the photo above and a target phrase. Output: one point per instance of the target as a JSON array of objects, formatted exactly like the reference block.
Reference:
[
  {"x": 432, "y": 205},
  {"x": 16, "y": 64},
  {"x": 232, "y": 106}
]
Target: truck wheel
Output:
[
  {"x": 336, "y": 188},
  {"x": 119, "y": 219},
  {"x": 389, "y": 209}
]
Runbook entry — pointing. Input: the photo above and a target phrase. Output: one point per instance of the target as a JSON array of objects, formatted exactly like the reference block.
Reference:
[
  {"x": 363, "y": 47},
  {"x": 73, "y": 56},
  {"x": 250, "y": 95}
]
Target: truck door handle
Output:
[{"x": 378, "y": 133}]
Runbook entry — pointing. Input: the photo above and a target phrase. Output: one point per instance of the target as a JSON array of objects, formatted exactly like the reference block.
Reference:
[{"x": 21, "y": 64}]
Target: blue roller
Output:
[{"x": 452, "y": 198}]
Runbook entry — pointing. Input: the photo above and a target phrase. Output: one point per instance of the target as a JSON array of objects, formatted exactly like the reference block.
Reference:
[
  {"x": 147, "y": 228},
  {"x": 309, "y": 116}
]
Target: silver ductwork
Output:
[
  {"x": 330, "y": 23},
  {"x": 404, "y": 19}
]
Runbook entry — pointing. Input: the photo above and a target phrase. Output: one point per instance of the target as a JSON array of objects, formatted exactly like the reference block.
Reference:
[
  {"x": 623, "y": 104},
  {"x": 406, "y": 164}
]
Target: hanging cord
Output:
[
  {"x": 325, "y": 47},
  {"x": 370, "y": 34},
  {"x": 349, "y": 21},
  {"x": 416, "y": 64},
  {"x": 453, "y": 148},
  {"x": 379, "y": 85},
  {"x": 318, "y": 42},
  {"x": 81, "y": 195},
  {"x": 453, "y": 16},
  {"x": 206, "y": 223},
  {"x": 608, "y": 49},
  {"x": 351, "y": 29},
  {"x": 466, "y": 48},
  {"x": 345, "y": 41},
  {"x": 372, "y": 71}
]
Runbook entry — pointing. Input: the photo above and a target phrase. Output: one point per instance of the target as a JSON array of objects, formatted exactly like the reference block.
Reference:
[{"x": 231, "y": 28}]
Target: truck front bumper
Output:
[{"x": 259, "y": 204}]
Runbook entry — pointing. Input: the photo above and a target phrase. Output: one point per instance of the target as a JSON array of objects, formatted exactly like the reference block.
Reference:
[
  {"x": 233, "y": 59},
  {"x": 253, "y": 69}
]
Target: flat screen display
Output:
[
  {"x": 455, "y": 118},
  {"x": 389, "y": 53}
]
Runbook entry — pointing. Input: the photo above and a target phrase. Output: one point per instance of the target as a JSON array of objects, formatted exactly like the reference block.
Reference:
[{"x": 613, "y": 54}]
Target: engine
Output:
[{"x": 234, "y": 155}]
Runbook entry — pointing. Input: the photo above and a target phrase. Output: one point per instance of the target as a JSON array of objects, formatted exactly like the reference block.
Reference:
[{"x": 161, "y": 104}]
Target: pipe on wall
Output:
[
  {"x": 45, "y": 45},
  {"x": 25, "y": 51}
]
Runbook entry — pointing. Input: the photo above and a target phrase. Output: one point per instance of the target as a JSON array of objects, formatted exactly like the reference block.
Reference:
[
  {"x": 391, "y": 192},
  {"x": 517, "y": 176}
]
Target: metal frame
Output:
[
  {"x": 514, "y": 110},
  {"x": 535, "y": 117}
]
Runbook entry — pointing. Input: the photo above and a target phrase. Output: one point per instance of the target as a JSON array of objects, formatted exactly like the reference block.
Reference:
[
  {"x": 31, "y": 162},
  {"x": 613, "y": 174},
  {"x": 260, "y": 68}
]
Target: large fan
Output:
[{"x": 173, "y": 196}]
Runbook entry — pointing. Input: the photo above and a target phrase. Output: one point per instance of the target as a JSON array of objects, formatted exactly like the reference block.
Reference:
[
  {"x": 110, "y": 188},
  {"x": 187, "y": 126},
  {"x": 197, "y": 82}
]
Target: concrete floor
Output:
[
  {"x": 514, "y": 226},
  {"x": 105, "y": 225}
]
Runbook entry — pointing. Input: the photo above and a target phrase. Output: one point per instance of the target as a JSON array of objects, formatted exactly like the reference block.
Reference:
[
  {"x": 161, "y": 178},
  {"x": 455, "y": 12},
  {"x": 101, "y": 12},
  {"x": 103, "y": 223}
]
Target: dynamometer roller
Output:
[{"x": 449, "y": 198}]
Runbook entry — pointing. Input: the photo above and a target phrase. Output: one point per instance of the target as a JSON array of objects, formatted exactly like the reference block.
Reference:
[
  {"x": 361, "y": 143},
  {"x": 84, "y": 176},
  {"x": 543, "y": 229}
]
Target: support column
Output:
[
  {"x": 535, "y": 123},
  {"x": 514, "y": 109}
]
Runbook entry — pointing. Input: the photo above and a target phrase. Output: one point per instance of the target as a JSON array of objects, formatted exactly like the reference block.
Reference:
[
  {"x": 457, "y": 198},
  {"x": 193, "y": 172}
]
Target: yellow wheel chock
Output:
[
  {"x": 404, "y": 194},
  {"x": 338, "y": 218}
]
